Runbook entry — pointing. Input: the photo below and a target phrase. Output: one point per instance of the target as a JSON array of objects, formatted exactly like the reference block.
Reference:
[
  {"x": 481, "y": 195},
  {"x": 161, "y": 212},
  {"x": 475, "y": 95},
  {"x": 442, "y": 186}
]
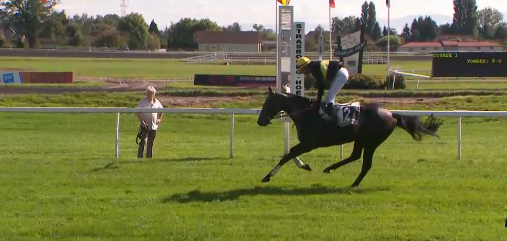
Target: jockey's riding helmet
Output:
[{"x": 302, "y": 62}]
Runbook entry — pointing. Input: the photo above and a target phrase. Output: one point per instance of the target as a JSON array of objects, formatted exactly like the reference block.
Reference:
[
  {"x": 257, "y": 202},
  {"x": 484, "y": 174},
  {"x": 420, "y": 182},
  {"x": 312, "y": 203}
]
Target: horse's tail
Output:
[{"x": 414, "y": 126}]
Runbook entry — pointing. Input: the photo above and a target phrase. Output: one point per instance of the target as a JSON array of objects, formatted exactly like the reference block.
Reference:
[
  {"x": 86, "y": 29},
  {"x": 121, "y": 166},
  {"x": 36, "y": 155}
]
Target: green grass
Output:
[
  {"x": 160, "y": 68},
  {"x": 60, "y": 181},
  {"x": 446, "y": 101},
  {"x": 157, "y": 69}
]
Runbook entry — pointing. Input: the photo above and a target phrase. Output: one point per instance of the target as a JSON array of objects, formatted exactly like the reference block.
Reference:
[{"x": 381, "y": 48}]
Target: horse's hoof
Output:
[
  {"x": 306, "y": 167},
  {"x": 354, "y": 185},
  {"x": 327, "y": 170},
  {"x": 266, "y": 179}
]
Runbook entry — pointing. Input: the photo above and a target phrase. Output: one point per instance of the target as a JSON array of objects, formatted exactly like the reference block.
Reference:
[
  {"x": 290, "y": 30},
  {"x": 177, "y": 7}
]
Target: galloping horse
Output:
[{"x": 374, "y": 126}]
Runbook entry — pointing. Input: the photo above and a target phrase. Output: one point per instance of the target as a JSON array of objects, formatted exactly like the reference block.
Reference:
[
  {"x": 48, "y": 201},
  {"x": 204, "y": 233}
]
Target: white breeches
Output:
[{"x": 338, "y": 82}]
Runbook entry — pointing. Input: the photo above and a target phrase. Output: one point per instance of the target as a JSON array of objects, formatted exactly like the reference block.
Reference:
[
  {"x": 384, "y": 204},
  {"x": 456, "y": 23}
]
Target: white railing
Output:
[
  {"x": 232, "y": 112},
  {"x": 411, "y": 74}
]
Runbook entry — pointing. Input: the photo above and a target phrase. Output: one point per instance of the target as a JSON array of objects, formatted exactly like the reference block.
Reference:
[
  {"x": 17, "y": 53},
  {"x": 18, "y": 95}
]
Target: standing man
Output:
[{"x": 149, "y": 121}]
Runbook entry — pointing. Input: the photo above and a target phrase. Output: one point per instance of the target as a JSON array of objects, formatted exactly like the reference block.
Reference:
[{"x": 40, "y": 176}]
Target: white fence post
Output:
[
  {"x": 286, "y": 130},
  {"x": 118, "y": 135},
  {"x": 459, "y": 138},
  {"x": 231, "y": 153}
]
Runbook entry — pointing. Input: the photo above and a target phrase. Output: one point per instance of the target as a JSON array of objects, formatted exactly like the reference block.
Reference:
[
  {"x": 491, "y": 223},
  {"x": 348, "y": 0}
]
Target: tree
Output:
[
  {"x": 465, "y": 19},
  {"x": 153, "y": 28},
  {"x": 136, "y": 26},
  {"x": 153, "y": 42},
  {"x": 371, "y": 18},
  {"x": 377, "y": 34},
  {"x": 394, "y": 41},
  {"x": 344, "y": 26},
  {"x": 235, "y": 27},
  {"x": 501, "y": 32},
  {"x": 258, "y": 28},
  {"x": 28, "y": 17},
  {"x": 414, "y": 31},
  {"x": 423, "y": 29},
  {"x": 406, "y": 32},
  {"x": 384, "y": 31},
  {"x": 181, "y": 34},
  {"x": 319, "y": 29},
  {"x": 357, "y": 24},
  {"x": 489, "y": 19},
  {"x": 489, "y": 16},
  {"x": 55, "y": 25},
  {"x": 364, "y": 14}
]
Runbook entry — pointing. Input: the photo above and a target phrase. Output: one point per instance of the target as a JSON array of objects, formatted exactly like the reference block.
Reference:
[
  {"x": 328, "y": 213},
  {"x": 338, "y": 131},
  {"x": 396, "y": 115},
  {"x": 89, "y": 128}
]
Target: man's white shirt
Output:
[{"x": 150, "y": 118}]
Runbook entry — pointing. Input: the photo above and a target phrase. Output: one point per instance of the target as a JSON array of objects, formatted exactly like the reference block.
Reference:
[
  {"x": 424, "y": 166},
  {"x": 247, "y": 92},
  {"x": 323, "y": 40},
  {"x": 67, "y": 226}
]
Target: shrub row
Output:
[{"x": 363, "y": 81}]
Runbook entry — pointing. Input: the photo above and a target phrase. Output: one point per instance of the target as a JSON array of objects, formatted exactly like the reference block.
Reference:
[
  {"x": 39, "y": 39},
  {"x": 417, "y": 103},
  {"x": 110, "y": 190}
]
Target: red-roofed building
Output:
[
  {"x": 450, "y": 45},
  {"x": 243, "y": 41}
]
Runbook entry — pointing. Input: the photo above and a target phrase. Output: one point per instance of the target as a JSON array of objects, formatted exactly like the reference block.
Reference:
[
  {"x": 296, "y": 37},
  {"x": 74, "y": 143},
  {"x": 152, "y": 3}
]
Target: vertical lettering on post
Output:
[{"x": 297, "y": 51}]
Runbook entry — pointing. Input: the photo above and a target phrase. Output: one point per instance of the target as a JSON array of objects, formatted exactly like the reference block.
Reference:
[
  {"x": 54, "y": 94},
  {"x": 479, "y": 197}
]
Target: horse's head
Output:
[
  {"x": 276, "y": 102},
  {"x": 271, "y": 107}
]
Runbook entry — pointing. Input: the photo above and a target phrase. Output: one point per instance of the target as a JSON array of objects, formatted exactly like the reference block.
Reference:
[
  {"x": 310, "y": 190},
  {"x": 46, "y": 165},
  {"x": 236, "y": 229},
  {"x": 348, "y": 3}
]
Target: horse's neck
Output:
[{"x": 289, "y": 106}]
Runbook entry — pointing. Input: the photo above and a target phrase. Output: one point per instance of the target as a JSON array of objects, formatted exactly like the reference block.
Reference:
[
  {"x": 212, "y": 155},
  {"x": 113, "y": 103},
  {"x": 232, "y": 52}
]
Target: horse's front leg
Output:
[
  {"x": 301, "y": 165},
  {"x": 294, "y": 152}
]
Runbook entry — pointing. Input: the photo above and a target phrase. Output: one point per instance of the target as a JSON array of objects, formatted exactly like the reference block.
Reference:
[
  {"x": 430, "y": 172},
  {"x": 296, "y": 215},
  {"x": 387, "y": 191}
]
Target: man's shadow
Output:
[
  {"x": 198, "y": 196},
  {"x": 115, "y": 165}
]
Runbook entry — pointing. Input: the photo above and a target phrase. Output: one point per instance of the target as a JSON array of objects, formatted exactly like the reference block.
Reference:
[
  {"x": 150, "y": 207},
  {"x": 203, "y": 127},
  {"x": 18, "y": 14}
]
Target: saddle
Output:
[{"x": 343, "y": 114}]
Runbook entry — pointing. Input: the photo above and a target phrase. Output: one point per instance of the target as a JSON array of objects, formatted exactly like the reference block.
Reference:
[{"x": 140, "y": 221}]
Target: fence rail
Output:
[{"x": 457, "y": 113}]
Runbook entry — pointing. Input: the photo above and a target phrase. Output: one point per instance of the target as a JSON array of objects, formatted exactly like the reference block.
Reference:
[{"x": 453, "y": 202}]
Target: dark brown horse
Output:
[{"x": 374, "y": 126}]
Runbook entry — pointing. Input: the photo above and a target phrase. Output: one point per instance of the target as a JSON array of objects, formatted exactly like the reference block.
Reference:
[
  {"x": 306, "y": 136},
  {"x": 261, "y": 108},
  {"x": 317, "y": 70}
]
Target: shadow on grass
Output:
[
  {"x": 192, "y": 159},
  {"x": 198, "y": 196},
  {"x": 111, "y": 165},
  {"x": 114, "y": 165}
]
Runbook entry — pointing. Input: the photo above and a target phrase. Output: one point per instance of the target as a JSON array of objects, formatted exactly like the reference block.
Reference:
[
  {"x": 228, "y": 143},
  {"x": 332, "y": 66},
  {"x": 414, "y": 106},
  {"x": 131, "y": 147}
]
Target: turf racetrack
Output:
[
  {"x": 60, "y": 180},
  {"x": 160, "y": 68}
]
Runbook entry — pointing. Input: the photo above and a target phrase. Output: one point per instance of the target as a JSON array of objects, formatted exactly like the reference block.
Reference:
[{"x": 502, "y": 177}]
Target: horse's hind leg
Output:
[
  {"x": 356, "y": 154},
  {"x": 367, "y": 162},
  {"x": 294, "y": 152}
]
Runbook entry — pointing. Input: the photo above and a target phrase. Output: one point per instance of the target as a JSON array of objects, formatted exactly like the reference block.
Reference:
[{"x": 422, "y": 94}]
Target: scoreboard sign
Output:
[{"x": 469, "y": 64}]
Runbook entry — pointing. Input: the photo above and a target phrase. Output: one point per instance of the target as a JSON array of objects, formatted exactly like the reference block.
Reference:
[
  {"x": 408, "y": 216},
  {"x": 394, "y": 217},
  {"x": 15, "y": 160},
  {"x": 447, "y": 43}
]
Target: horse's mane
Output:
[{"x": 305, "y": 100}]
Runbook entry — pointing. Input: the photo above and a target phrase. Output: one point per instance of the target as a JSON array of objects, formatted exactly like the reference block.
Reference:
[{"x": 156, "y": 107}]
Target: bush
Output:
[
  {"x": 19, "y": 43},
  {"x": 362, "y": 81},
  {"x": 399, "y": 84}
]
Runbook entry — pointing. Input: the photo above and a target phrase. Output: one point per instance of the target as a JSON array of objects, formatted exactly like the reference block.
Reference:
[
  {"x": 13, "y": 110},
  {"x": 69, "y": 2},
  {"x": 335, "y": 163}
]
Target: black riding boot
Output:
[{"x": 329, "y": 109}]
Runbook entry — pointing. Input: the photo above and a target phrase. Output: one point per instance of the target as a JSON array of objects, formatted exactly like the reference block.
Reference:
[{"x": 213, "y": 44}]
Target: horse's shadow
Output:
[{"x": 198, "y": 196}]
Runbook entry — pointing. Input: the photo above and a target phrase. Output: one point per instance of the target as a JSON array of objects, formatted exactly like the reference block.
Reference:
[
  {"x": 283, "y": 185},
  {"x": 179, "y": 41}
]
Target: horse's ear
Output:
[{"x": 270, "y": 90}]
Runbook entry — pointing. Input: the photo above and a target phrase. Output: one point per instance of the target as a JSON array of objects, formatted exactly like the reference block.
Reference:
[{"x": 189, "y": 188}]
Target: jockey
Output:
[{"x": 327, "y": 73}]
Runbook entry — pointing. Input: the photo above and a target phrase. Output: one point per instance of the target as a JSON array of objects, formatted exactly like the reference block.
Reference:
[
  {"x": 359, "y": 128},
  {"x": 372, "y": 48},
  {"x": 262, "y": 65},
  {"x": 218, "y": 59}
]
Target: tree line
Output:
[{"x": 33, "y": 22}]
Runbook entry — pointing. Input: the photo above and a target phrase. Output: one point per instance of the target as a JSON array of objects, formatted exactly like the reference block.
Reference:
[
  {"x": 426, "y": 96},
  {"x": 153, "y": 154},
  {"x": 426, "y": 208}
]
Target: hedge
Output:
[{"x": 363, "y": 81}]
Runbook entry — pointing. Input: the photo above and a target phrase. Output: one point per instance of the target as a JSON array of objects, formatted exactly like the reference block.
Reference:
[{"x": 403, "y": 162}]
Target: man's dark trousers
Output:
[{"x": 149, "y": 139}]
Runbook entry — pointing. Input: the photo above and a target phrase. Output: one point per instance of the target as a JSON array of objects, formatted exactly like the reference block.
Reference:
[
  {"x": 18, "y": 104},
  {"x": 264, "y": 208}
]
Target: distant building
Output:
[
  {"x": 229, "y": 41},
  {"x": 450, "y": 45}
]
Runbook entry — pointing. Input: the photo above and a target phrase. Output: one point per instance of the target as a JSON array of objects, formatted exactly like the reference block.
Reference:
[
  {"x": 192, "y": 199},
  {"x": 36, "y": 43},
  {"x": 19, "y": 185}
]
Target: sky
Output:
[{"x": 312, "y": 12}]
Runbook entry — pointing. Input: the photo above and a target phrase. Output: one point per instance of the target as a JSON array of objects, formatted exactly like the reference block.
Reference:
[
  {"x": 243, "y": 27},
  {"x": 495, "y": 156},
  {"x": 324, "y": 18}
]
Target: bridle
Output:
[{"x": 283, "y": 114}]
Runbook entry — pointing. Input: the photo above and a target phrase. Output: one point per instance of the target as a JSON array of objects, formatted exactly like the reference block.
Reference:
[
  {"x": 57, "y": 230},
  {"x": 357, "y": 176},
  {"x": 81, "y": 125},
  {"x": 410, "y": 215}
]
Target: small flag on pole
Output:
[
  {"x": 284, "y": 2},
  {"x": 331, "y": 3}
]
